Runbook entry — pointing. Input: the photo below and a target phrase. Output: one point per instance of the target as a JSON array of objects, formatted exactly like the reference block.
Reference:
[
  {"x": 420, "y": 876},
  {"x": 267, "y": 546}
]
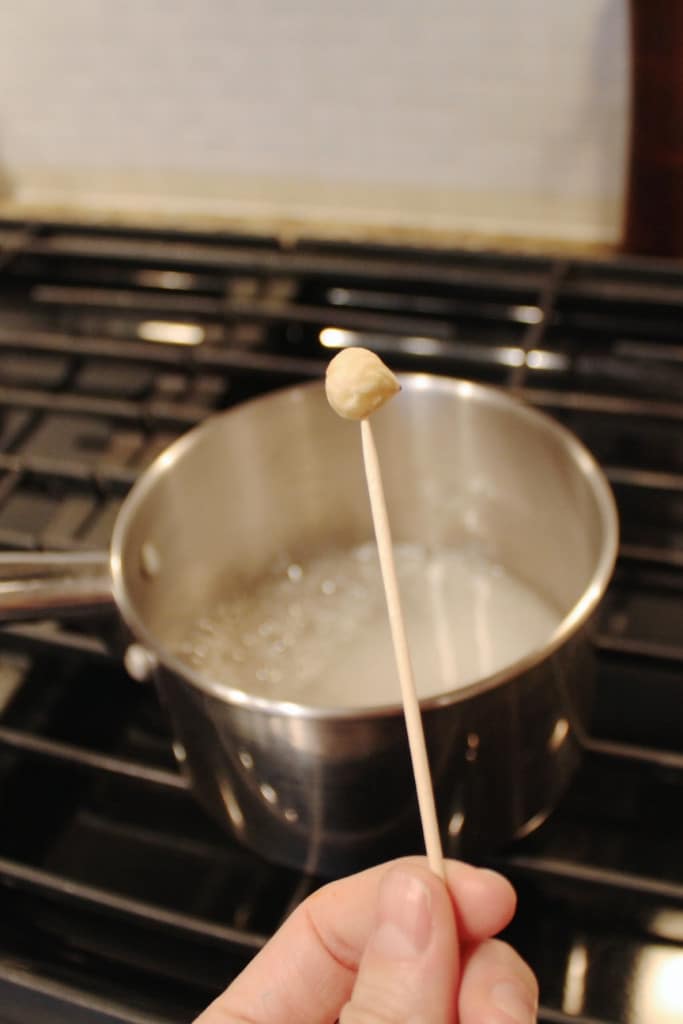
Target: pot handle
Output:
[{"x": 36, "y": 585}]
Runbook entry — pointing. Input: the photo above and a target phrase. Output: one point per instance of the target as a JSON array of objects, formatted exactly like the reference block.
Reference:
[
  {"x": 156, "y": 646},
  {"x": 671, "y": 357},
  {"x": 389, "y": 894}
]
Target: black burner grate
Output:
[{"x": 119, "y": 900}]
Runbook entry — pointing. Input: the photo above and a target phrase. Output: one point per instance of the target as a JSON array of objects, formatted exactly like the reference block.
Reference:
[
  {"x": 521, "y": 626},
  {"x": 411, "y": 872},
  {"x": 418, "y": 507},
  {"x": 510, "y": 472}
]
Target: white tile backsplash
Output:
[{"x": 475, "y": 114}]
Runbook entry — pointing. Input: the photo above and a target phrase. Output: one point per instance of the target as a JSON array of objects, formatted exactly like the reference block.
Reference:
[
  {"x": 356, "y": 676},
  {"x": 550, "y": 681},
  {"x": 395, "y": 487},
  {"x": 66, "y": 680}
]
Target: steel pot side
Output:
[{"x": 329, "y": 790}]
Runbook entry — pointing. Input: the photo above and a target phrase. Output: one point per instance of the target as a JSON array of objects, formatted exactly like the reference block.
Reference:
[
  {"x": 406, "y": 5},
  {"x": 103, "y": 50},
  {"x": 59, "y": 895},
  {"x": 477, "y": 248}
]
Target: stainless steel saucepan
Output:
[{"x": 330, "y": 789}]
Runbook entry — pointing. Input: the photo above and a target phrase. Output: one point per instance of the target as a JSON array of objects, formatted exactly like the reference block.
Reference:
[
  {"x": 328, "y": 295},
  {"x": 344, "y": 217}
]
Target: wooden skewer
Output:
[
  {"x": 411, "y": 705},
  {"x": 357, "y": 384}
]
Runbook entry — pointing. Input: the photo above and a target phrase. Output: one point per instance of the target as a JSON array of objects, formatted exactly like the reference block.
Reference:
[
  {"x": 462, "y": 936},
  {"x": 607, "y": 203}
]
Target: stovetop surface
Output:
[{"x": 119, "y": 898}]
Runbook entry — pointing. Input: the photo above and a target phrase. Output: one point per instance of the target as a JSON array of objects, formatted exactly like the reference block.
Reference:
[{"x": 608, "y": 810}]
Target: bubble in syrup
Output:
[{"x": 199, "y": 652}]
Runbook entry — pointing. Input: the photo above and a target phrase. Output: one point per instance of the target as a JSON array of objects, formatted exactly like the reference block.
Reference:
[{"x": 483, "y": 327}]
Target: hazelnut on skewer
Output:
[{"x": 358, "y": 383}]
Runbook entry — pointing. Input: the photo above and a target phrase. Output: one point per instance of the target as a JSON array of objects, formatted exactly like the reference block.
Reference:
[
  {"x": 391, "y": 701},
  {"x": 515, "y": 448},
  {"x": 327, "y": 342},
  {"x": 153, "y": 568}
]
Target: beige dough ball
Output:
[{"x": 357, "y": 383}]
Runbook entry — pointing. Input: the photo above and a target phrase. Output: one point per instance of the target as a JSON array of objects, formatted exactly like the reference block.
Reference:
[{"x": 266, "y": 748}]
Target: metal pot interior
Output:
[{"x": 460, "y": 463}]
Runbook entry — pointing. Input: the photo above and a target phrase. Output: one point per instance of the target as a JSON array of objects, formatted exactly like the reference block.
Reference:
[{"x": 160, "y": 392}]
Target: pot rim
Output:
[{"x": 569, "y": 626}]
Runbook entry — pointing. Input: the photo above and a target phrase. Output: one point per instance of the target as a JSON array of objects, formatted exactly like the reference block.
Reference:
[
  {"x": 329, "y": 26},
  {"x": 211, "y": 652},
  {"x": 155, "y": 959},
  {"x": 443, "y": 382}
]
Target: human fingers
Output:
[
  {"x": 484, "y": 902},
  {"x": 325, "y": 937},
  {"x": 409, "y": 968},
  {"x": 496, "y": 986}
]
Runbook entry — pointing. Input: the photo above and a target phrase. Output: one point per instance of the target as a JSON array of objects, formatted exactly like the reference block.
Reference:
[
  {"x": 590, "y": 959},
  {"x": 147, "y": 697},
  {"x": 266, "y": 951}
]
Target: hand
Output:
[{"x": 391, "y": 945}]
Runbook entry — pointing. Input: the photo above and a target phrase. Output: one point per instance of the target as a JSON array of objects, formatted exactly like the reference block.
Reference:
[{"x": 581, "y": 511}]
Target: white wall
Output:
[{"x": 485, "y": 115}]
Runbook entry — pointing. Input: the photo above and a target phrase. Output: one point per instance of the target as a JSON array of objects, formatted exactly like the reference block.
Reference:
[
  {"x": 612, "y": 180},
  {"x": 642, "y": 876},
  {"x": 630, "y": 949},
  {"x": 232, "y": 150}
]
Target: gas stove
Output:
[{"x": 119, "y": 899}]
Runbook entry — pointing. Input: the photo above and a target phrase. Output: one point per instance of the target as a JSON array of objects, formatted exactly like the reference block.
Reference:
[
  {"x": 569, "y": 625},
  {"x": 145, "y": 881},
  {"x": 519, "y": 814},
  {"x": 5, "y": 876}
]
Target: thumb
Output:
[{"x": 409, "y": 970}]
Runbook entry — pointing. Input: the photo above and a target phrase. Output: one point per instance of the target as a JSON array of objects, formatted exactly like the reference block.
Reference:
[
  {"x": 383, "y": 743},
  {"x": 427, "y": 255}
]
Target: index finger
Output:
[{"x": 306, "y": 972}]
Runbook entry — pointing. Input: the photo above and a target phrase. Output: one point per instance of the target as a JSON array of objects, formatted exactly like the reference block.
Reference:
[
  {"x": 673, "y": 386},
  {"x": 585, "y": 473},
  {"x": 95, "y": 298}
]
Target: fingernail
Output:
[
  {"x": 515, "y": 1001},
  {"x": 404, "y": 916}
]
